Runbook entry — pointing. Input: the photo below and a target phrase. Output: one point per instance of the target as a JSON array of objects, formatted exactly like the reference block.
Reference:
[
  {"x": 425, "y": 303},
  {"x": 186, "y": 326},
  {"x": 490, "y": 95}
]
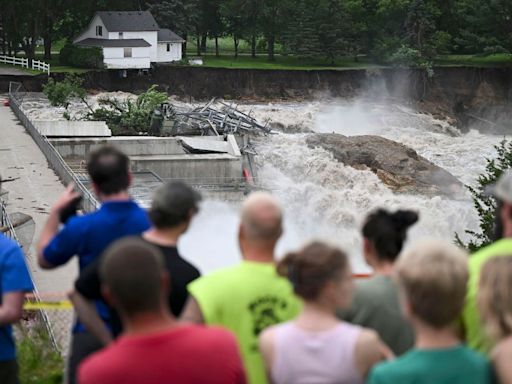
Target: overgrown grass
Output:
[{"x": 38, "y": 362}]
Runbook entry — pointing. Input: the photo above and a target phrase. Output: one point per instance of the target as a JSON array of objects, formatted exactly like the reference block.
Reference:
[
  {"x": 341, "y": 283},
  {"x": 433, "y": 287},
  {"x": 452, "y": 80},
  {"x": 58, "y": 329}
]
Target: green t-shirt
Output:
[
  {"x": 376, "y": 306},
  {"x": 475, "y": 331},
  {"x": 457, "y": 365},
  {"x": 246, "y": 299}
]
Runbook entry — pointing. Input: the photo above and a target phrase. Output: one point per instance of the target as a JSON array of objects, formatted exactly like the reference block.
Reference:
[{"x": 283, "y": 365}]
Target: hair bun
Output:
[{"x": 403, "y": 219}]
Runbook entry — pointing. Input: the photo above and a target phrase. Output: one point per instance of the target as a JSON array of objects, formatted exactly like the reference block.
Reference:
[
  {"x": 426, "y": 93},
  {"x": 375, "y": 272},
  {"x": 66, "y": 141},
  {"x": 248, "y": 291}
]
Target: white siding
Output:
[
  {"x": 150, "y": 36},
  {"x": 114, "y": 58},
  {"x": 173, "y": 55},
  {"x": 90, "y": 32}
]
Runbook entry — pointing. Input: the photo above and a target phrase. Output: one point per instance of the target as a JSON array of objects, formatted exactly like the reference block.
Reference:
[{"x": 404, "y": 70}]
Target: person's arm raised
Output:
[
  {"x": 192, "y": 312},
  {"x": 88, "y": 315},
  {"x": 370, "y": 350},
  {"x": 51, "y": 227}
]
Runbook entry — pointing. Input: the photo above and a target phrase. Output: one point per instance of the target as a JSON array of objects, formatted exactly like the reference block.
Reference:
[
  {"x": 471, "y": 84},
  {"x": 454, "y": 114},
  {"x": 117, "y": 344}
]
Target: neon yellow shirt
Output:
[
  {"x": 475, "y": 331},
  {"x": 246, "y": 299}
]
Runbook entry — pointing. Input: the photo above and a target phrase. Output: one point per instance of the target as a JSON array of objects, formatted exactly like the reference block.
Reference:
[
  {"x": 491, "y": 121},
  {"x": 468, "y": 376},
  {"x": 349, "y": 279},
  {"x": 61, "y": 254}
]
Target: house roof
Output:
[
  {"x": 117, "y": 43},
  {"x": 128, "y": 21},
  {"x": 168, "y": 36}
]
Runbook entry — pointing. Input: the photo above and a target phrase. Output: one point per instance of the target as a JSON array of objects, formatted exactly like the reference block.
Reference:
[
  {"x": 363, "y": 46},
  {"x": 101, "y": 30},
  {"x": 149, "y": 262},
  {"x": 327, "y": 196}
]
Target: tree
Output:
[
  {"x": 484, "y": 203},
  {"x": 420, "y": 25},
  {"x": 177, "y": 15}
]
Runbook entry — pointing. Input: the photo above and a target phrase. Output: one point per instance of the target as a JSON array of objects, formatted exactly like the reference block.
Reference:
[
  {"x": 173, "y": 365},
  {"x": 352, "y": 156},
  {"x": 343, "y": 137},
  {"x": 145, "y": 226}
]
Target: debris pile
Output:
[{"x": 213, "y": 119}]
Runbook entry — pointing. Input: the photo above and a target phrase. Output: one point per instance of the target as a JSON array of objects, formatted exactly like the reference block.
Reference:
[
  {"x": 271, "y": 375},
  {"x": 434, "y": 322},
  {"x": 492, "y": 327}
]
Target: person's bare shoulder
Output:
[
  {"x": 501, "y": 357},
  {"x": 370, "y": 350}
]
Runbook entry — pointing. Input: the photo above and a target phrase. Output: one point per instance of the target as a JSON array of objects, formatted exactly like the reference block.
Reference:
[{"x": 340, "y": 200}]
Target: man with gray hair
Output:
[
  {"x": 172, "y": 209},
  {"x": 251, "y": 296},
  {"x": 154, "y": 348}
]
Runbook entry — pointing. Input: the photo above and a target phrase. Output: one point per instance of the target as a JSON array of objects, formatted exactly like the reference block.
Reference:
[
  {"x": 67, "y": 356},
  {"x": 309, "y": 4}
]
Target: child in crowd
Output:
[
  {"x": 376, "y": 304},
  {"x": 495, "y": 303},
  {"x": 316, "y": 346},
  {"x": 433, "y": 277}
]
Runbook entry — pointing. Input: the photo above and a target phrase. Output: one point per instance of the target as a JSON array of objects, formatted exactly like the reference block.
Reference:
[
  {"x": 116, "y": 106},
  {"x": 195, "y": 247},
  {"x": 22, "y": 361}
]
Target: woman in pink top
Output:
[{"x": 316, "y": 347}]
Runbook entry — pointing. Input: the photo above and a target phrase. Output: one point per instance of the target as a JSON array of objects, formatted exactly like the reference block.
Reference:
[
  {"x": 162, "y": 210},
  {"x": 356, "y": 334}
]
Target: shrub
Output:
[
  {"x": 129, "y": 117},
  {"x": 485, "y": 204},
  {"x": 405, "y": 56},
  {"x": 60, "y": 93},
  {"x": 81, "y": 57}
]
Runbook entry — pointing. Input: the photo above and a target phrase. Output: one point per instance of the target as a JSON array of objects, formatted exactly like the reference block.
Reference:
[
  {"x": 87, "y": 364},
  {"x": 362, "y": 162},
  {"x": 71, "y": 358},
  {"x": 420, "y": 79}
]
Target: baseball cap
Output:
[
  {"x": 172, "y": 203},
  {"x": 502, "y": 189}
]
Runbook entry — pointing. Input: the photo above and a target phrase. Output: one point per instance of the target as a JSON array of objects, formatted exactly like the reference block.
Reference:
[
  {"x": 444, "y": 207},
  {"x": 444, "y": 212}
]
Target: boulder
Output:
[{"x": 396, "y": 165}]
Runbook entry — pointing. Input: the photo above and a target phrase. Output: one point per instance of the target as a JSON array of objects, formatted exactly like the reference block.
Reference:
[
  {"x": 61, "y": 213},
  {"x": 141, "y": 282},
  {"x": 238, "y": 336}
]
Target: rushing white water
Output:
[
  {"x": 326, "y": 200},
  {"x": 322, "y": 197}
]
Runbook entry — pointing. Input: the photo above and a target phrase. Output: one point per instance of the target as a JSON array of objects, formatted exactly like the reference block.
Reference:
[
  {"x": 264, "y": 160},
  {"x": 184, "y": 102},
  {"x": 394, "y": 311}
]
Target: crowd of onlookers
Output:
[{"x": 429, "y": 313}]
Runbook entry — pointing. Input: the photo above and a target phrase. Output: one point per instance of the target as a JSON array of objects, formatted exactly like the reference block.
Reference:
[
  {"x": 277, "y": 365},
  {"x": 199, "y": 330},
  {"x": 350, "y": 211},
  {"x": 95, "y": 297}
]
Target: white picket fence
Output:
[{"x": 24, "y": 63}]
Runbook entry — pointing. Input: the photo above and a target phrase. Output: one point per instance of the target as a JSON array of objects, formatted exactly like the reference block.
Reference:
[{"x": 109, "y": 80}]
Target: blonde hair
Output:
[
  {"x": 434, "y": 275},
  {"x": 495, "y": 296}
]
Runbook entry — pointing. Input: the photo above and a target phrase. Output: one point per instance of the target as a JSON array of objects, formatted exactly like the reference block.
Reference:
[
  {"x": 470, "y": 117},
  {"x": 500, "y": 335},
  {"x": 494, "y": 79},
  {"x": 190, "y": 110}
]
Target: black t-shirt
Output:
[{"x": 181, "y": 273}]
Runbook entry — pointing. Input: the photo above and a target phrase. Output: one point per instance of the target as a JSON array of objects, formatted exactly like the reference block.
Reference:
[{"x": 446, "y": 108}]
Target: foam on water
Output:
[{"x": 322, "y": 197}]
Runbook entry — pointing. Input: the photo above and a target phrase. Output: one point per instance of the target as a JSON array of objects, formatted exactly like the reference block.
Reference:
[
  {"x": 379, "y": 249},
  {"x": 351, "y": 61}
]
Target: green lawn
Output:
[
  {"x": 497, "y": 60},
  {"x": 285, "y": 62}
]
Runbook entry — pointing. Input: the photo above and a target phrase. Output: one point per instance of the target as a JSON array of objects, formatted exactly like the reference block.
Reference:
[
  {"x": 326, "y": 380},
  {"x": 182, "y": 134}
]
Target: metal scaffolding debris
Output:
[{"x": 214, "y": 118}]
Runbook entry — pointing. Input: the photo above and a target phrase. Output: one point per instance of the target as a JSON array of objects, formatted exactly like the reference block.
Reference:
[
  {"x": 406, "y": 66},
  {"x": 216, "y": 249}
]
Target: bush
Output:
[
  {"x": 60, "y": 93},
  {"x": 81, "y": 57},
  {"x": 405, "y": 56},
  {"x": 129, "y": 117},
  {"x": 485, "y": 204}
]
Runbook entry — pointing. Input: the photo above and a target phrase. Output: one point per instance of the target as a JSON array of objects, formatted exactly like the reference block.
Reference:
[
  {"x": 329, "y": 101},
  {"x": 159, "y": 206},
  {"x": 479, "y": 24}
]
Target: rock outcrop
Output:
[{"x": 398, "y": 166}]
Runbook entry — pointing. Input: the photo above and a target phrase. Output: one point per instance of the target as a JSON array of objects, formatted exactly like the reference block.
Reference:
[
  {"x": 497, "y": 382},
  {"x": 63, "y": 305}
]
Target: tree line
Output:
[{"x": 383, "y": 29}]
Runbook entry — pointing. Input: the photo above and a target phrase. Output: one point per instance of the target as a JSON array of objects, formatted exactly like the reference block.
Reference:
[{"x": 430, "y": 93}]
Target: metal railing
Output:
[
  {"x": 57, "y": 163},
  {"x": 24, "y": 63},
  {"x": 9, "y": 231}
]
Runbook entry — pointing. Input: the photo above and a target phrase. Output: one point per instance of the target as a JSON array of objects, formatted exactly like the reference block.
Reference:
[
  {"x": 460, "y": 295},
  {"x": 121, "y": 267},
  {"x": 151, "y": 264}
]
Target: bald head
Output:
[{"x": 261, "y": 221}]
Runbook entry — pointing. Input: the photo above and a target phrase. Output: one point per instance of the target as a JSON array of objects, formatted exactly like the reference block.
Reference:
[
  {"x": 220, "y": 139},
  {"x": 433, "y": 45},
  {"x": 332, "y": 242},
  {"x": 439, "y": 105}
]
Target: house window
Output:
[
  {"x": 99, "y": 30},
  {"x": 127, "y": 52},
  {"x": 168, "y": 47},
  {"x": 120, "y": 35}
]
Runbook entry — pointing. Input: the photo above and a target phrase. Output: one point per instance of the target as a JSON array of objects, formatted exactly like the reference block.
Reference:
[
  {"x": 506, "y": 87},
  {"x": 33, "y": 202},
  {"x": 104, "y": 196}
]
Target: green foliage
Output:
[
  {"x": 60, "y": 93},
  {"x": 81, "y": 57},
  {"x": 129, "y": 117},
  {"x": 38, "y": 362},
  {"x": 405, "y": 56},
  {"x": 485, "y": 204}
]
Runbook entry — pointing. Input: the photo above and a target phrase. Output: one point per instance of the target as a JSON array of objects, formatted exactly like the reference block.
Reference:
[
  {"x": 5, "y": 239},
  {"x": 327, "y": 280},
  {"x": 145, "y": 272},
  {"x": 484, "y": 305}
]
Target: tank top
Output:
[{"x": 327, "y": 357}]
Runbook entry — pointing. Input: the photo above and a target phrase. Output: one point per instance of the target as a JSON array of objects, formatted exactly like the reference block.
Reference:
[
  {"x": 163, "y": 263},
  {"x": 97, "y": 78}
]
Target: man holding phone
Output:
[{"x": 87, "y": 236}]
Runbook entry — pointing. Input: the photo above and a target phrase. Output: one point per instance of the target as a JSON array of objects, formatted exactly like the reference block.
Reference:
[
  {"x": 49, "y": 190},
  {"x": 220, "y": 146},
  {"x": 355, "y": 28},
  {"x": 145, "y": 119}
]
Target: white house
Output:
[{"x": 130, "y": 39}]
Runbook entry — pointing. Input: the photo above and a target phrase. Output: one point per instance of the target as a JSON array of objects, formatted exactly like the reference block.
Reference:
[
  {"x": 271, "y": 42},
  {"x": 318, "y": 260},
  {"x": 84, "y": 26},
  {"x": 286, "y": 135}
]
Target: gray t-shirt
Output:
[{"x": 376, "y": 306}]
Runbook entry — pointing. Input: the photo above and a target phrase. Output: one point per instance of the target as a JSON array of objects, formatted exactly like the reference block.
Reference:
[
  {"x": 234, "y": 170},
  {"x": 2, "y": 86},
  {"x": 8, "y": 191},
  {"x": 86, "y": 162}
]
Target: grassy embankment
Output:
[{"x": 245, "y": 61}]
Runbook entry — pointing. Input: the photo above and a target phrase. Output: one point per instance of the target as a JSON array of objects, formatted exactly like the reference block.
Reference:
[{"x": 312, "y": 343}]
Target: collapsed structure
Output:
[{"x": 212, "y": 119}]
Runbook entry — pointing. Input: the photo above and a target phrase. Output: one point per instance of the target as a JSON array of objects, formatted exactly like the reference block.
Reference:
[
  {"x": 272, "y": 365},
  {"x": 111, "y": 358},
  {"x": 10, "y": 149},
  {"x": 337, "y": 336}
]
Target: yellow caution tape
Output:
[{"x": 36, "y": 305}]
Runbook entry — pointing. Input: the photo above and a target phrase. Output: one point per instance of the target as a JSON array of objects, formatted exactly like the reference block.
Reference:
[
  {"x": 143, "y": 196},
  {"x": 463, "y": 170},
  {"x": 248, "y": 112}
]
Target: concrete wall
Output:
[
  {"x": 214, "y": 169},
  {"x": 64, "y": 128},
  {"x": 132, "y": 146}
]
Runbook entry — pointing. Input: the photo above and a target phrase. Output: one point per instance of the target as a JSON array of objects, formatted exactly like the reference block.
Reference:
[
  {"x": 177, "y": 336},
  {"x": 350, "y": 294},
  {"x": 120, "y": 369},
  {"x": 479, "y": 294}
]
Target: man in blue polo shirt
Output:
[
  {"x": 14, "y": 282},
  {"x": 87, "y": 236}
]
